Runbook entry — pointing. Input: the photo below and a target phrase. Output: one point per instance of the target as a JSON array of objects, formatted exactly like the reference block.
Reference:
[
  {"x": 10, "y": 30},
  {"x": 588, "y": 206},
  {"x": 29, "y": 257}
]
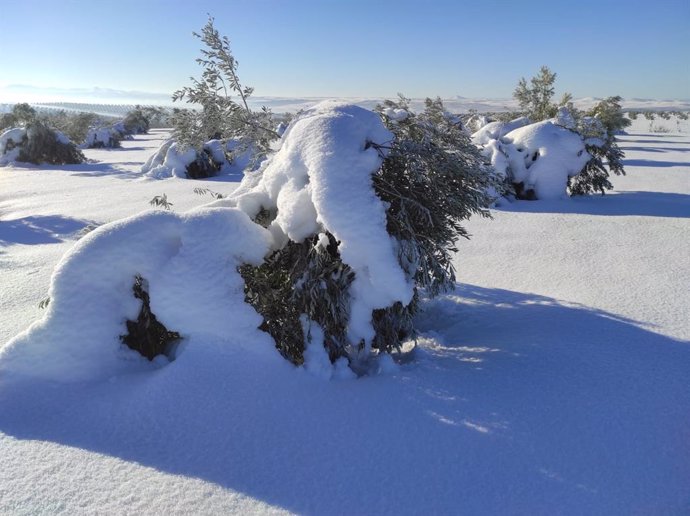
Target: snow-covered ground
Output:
[{"x": 554, "y": 380}]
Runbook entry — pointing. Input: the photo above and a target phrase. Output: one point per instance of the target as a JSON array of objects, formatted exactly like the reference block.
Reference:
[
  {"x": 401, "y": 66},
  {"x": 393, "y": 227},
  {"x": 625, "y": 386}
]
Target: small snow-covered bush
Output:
[
  {"x": 37, "y": 143},
  {"x": 21, "y": 115},
  {"x": 10, "y": 144},
  {"x": 102, "y": 137},
  {"x": 245, "y": 135},
  {"x": 136, "y": 122},
  {"x": 74, "y": 125},
  {"x": 562, "y": 138},
  {"x": 539, "y": 159},
  {"x": 216, "y": 157}
]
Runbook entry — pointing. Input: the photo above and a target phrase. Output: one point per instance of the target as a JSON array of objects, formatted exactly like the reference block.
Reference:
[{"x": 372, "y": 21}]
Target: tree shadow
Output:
[
  {"x": 127, "y": 149},
  {"x": 107, "y": 169},
  {"x": 645, "y": 204},
  {"x": 657, "y": 141},
  {"x": 654, "y": 163},
  {"x": 544, "y": 403},
  {"x": 41, "y": 229},
  {"x": 88, "y": 169},
  {"x": 654, "y": 149},
  {"x": 658, "y": 137}
]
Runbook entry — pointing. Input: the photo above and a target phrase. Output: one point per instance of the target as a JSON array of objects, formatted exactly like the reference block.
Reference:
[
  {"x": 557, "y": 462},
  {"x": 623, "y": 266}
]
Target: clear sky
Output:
[{"x": 353, "y": 48}]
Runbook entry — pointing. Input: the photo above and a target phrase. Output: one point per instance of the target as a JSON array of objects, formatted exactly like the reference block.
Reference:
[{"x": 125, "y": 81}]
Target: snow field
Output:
[{"x": 554, "y": 380}]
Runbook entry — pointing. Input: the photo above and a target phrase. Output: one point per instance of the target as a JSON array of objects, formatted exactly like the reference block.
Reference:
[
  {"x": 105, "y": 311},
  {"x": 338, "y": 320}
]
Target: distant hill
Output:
[{"x": 292, "y": 104}]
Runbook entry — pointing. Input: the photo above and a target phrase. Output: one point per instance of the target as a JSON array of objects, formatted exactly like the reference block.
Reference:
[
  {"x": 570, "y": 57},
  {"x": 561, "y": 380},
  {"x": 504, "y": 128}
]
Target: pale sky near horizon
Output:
[{"x": 355, "y": 48}]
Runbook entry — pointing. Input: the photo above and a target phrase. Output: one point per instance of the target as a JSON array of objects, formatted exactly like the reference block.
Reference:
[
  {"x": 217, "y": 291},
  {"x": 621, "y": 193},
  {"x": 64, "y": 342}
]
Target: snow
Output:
[
  {"x": 10, "y": 143},
  {"x": 476, "y": 122},
  {"x": 496, "y": 130},
  {"x": 189, "y": 262},
  {"x": 60, "y": 137},
  {"x": 543, "y": 156},
  {"x": 396, "y": 114},
  {"x": 102, "y": 136},
  {"x": 321, "y": 180},
  {"x": 170, "y": 161},
  {"x": 552, "y": 381},
  {"x": 11, "y": 138}
]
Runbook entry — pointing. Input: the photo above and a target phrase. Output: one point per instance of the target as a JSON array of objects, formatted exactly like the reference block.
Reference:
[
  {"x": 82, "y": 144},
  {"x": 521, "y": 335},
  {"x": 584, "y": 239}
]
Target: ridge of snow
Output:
[{"x": 189, "y": 262}]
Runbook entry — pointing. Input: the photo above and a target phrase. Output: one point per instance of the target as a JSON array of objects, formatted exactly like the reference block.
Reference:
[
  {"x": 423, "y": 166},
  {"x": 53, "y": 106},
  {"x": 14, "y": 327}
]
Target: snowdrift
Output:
[{"x": 189, "y": 262}]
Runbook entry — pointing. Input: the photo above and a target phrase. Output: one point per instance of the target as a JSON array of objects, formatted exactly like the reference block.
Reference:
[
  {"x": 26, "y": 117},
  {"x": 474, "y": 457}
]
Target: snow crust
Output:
[
  {"x": 321, "y": 180},
  {"x": 189, "y": 262}
]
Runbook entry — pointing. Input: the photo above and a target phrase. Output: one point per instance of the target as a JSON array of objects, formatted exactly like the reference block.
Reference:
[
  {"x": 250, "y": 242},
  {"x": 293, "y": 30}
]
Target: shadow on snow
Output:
[
  {"x": 655, "y": 149},
  {"x": 654, "y": 163},
  {"x": 89, "y": 169},
  {"x": 657, "y": 141},
  {"x": 510, "y": 397},
  {"x": 647, "y": 204},
  {"x": 40, "y": 229}
]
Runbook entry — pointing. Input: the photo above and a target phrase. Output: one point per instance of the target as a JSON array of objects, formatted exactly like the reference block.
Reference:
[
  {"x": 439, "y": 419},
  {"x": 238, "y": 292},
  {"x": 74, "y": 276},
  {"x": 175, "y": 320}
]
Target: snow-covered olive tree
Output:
[
  {"x": 597, "y": 129},
  {"x": 221, "y": 113},
  {"x": 37, "y": 143},
  {"x": 360, "y": 226}
]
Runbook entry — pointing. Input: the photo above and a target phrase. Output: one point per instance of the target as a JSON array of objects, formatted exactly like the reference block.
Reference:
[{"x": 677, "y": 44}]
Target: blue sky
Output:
[{"x": 371, "y": 48}]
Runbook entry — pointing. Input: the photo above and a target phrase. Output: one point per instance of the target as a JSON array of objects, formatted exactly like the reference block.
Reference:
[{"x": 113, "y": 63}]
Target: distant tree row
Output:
[{"x": 52, "y": 137}]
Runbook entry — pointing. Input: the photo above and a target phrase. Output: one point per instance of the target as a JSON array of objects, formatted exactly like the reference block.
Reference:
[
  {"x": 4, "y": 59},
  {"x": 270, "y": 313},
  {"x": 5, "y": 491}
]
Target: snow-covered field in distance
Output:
[
  {"x": 554, "y": 380},
  {"x": 278, "y": 105}
]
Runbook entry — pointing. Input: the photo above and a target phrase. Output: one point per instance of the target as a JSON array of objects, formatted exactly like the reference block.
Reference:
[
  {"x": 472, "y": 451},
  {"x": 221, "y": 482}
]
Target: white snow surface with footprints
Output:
[{"x": 553, "y": 380}]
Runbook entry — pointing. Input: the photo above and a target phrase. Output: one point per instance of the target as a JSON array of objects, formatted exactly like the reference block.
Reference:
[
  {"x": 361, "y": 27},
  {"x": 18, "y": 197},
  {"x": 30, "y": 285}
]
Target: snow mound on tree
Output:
[
  {"x": 476, "y": 122},
  {"x": 10, "y": 144},
  {"x": 171, "y": 161},
  {"x": 496, "y": 130},
  {"x": 321, "y": 181},
  {"x": 541, "y": 156},
  {"x": 102, "y": 137},
  {"x": 190, "y": 263},
  {"x": 37, "y": 143}
]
